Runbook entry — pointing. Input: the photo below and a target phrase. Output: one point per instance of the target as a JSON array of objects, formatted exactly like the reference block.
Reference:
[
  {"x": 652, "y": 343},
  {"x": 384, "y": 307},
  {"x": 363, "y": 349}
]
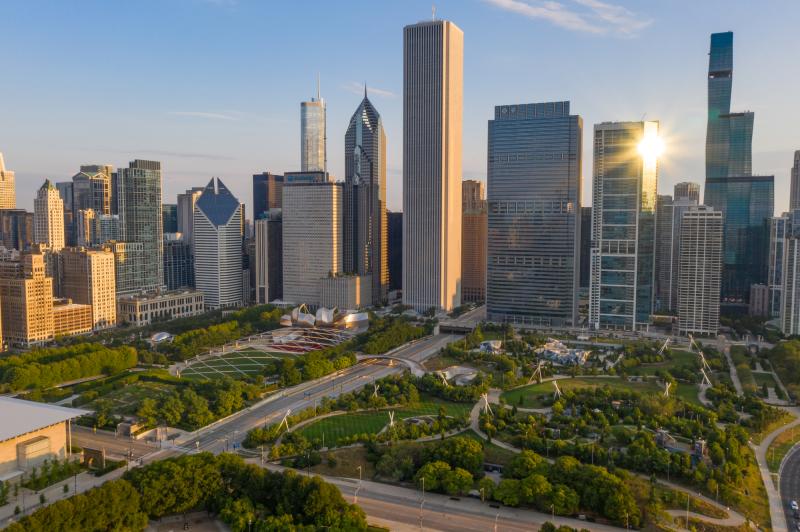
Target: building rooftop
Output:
[{"x": 21, "y": 417}]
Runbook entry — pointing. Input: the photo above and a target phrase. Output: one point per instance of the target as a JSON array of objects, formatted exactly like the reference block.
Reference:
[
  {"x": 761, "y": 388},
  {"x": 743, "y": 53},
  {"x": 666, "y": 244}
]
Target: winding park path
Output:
[{"x": 734, "y": 519}]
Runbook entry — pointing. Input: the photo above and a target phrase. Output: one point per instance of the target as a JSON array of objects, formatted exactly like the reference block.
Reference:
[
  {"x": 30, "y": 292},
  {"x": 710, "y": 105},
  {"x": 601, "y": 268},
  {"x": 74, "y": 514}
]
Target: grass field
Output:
[
  {"x": 244, "y": 362},
  {"x": 346, "y": 425},
  {"x": 127, "y": 400},
  {"x": 764, "y": 378},
  {"x": 780, "y": 446},
  {"x": 533, "y": 394},
  {"x": 679, "y": 358},
  {"x": 492, "y": 453}
]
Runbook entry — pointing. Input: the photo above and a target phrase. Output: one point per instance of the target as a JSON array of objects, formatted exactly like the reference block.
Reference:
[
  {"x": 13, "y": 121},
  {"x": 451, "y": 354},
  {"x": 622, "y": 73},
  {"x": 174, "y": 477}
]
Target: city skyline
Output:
[{"x": 198, "y": 133}]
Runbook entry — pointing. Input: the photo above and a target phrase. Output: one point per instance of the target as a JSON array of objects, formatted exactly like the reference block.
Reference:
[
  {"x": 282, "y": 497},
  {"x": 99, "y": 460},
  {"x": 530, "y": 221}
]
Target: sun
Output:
[{"x": 651, "y": 147}]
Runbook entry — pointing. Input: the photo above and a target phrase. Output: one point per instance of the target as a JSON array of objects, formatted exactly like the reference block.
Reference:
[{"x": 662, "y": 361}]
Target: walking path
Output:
[{"x": 737, "y": 384}]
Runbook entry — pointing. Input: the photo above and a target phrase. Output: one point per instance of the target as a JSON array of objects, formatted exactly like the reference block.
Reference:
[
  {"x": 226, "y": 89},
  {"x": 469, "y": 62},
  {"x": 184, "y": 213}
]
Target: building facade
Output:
[
  {"x": 687, "y": 190},
  {"x": 169, "y": 217},
  {"x": 8, "y": 193},
  {"x": 128, "y": 257},
  {"x": 139, "y": 310},
  {"x": 794, "y": 196},
  {"x": 433, "y": 57},
  {"x": 218, "y": 246},
  {"x": 186, "y": 203},
  {"x": 139, "y": 202},
  {"x": 269, "y": 257},
  {"x": 534, "y": 181},
  {"x": 668, "y": 230},
  {"x": 474, "y": 228},
  {"x": 759, "y": 300},
  {"x": 91, "y": 188},
  {"x": 364, "y": 201},
  {"x": 699, "y": 271},
  {"x": 48, "y": 217},
  {"x": 586, "y": 247},
  {"x": 312, "y": 239},
  {"x": 395, "y": 239},
  {"x": 16, "y": 229},
  {"x": 346, "y": 292},
  {"x": 88, "y": 277},
  {"x": 267, "y": 193},
  {"x": 313, "y": 154},
  {"x": 26, "y": 301},
  {"x": 623, "y": 224},
  {"x": 779, "y": 232},
  {"x": 71, "y": 318},
  {"x": 178, "y": 262}
]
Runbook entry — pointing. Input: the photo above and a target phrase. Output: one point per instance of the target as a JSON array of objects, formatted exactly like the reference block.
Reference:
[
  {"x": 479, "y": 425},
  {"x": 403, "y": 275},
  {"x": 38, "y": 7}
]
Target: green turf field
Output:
[
  {"x": 532, "y": 395},
  {"x": 244, "y": 362}
]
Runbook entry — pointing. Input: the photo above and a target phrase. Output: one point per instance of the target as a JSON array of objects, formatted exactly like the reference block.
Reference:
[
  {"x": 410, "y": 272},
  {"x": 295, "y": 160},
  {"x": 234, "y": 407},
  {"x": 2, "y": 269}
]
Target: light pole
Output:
[
  {"x": 687, "y": 510},
  {"x": 496, "y": 517},
  {"x": 553, "y": 512}
]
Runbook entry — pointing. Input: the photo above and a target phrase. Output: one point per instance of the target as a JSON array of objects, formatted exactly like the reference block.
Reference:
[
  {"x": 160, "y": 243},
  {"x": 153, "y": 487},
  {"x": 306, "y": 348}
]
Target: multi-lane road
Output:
[{"x": 790, "y": 487}]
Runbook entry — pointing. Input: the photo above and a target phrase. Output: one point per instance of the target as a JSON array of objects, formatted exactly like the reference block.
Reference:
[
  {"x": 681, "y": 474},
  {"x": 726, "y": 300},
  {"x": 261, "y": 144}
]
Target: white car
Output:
[{"x": 794, "y": 506}]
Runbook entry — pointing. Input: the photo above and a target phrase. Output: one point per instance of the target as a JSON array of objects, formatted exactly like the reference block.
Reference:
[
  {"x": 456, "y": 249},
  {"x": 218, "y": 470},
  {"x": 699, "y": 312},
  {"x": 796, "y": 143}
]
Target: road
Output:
[
  {"x": 737, "y": 384},
  {"x": 116, "y": 448},
  {"x": 790, "y": 485}
]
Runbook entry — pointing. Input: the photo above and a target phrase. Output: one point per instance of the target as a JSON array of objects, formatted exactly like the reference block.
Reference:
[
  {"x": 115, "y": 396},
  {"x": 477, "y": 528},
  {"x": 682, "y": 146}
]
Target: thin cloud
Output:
[
  {"x": 358, "y": 88},
  {"x": 588, "y": 16},
  {"x": 203, "y": 114}
]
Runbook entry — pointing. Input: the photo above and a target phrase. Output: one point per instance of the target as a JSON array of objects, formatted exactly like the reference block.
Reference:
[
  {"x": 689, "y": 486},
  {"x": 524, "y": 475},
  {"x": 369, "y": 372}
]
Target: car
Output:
[{"x": 794, "y": 506}]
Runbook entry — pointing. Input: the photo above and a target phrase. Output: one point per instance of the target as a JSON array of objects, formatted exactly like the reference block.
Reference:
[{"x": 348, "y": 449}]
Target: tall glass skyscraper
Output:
[
  {"x": 364, "y": 204},
  {"x": 794, "y": 195},
  {"x": 534, "y": 195},
  {"x": 623, "y": 224},
  {"x": 313, "y": 154}
]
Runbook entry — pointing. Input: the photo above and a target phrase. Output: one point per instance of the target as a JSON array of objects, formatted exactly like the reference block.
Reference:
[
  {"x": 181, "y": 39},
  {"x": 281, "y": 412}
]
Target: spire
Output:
[
  {"x": 365, "y": 95},
  {"x": 319, "y": 98}
]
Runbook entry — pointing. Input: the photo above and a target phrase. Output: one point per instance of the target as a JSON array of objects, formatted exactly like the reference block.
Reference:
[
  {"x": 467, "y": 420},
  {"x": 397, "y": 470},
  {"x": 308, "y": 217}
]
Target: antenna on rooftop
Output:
[{"x": 433, "y": 11}]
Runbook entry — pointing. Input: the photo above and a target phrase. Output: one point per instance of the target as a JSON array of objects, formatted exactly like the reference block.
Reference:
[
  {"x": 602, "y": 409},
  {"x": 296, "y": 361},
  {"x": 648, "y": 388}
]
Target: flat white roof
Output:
[{"x": 18, "y": 417}]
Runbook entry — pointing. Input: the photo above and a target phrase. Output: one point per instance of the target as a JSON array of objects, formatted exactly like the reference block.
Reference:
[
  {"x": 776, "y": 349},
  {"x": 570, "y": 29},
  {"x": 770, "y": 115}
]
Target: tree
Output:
[
  {"x": 524, "y": 464},
  {"x": 197, "y": 413},
  {"x": 462, "y": 452},
  {"x": 508, "y": 492},
  {"x": 171, "y": 410},
  {"x": 487, "y": 485},
  {"x": 564, "y": 499},
  {"x": 457, "y": 481},
  {"x": 148, "y": 411},
  {"x": 431, "y": 475},
  {"x": 534, "y": 488}
]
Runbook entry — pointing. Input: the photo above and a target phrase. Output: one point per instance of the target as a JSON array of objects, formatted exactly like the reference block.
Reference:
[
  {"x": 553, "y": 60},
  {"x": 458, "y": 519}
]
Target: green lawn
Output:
[
  {"x": 247, "y": 361},
  {"x": 764, "y": 378},
  {"x": 679, "y": 358},
  {"x": 492, "y": 453},
  {"x": 780, "y": 446},
  {"x": 689, "y": 393},
  {"x": 533, "y": 394}
]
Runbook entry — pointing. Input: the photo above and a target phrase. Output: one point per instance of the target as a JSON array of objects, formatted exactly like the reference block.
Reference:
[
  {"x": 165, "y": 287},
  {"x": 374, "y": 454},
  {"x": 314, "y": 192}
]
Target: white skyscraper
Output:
[
  {"x": 432, "y": 117},
  {"x": 48, "y": 217},
  {"x": 313, "y": 155},
  {"x": 218, "y": 246}
]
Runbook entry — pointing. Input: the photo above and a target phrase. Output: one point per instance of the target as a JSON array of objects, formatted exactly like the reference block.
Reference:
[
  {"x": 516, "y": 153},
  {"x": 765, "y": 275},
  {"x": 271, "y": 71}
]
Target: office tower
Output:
[
  {"x": 623, "y": 224},
  {"x": 48, "y": 217},
  {"x": 586, "y": 246},
  {"x": 85, "y": 225},
  {"x": 669, "y": 213},
  {"x": 313, "y": 154},
  {"x": 689, "y": 190},
  {"x": 178, "y": 262},
  {"x": 312, "y": 239},
  {"x": 88, "y": 278},
  {"x": 186, "y": 203},
  {"x": 269, "y": 257},
  {"x": 218, "y": 246},
  {"x": 267, "y": 189},
  {"x": 432, "y": 114},
  {"x": 128, "y": 262},
  {"x": 26, "y": 301},
  {"x": 794, "y": 196},
  {"x": 534, "y": 178},
  {"x": 364, "y": 202},
  {"x": 395, "y": 238},
  {"x": 728, "y": 135},
  {"x": 747, "y": 205},
  {"x": 139, "y": 190},
  {"x": 474, "y": 227},
  {"x": 16, "y": 229},
  {"x": 91, "y": 189},
  {"x": 780, "y": 230},
  {"x": 65, "y": 190},
  {"x": 700, "y": 266},
  {"x": 169, "y": 217},
  {"x": 8, "y": 194}
]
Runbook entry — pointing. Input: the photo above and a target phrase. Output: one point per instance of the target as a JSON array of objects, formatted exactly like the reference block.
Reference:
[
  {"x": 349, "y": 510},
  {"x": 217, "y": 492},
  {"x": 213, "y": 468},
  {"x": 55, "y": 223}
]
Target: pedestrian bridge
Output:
[{"x": 416, "y": 368}]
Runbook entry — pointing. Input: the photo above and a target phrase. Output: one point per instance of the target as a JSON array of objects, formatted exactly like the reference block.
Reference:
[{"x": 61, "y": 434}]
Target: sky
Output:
[{"x": 213, "y": 87}]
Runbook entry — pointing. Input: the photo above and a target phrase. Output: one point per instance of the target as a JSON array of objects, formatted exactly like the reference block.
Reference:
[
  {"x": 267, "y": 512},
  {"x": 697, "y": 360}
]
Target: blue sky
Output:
[{"x": 212, "y": 87}]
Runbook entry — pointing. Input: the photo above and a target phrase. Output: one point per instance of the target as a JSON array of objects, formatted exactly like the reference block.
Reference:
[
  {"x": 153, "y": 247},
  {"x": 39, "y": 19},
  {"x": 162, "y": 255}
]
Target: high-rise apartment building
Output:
[
  {"x": 88, "y": 278},
  {"x": 312, "y": 239},
  {"x": 794, "y": 196},
  {"x": 623, "y": 224},
  {"x": 433, "y": 57},
  {"x": 169, "y": 217},
  {"x": 139, "y": 191},
  {"x": 26, "y": 301},
  {"x": 8, "y": 194},
  {"x": 700, "y": 267},
  {"x": 218, "y": 246},
  {"x": 178, "y": 263},
  {"x": 269, "y": 257},
  {"x": 364, "y": 201},
  {"x": 687, "y": 190},
  {"x": 669, "y": 214},
  {"x": 534, "y": 179},
  {"x": 186, "y": 203},
  {"x": 48, "y": 217},
  {"x": 313, "y": 154},
  {"x": 267, "y": 188},
  {"x": 474, "y": 227},
  {"x": 747, "y": 204}
]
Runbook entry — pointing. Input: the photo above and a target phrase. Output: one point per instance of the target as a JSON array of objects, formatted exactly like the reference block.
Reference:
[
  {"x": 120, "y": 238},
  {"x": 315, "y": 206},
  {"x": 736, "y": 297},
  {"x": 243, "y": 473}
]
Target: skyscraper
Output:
[
  {"x": 91, "y": 188},
  {"x": 87, "y": 278},
  {"x": 8, "y": 195},
  {"x": 48, "y": 217},
  {"x": 139, "y": 190},
  {"x": 432, "y": 118},
  {"x": 700, "y": 264},
  {"x": 780, "y": 229},
  {"x": 395, "y": 236},
  {"x": 16, "y": 229},
  {"x": 312, "y": 239},
  {"x": 218, "y": 246},
  {"x": 687, "y": 189},
  {"x": 586, "y": 246},
  {"x": 26, "y": 299},
  {"x": 269, "y": 257},
  {"x": 794, "y": 196},
  {"x": 534, "y": 178},
  {"x": 267, "y": 189},
  {"x": 668, "y": 238},
  {"x": 185, "y": 215},
  {"x": 313, "y": 154},
  {"x": 474, "y": 227},
  {"x": 747, "y": 204},
  {"x": 364, "y": 202},
  {"x": 178, "y": 263},
  {"x": 169, "y": 217},
  {"x": 623, "y": 224}
]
